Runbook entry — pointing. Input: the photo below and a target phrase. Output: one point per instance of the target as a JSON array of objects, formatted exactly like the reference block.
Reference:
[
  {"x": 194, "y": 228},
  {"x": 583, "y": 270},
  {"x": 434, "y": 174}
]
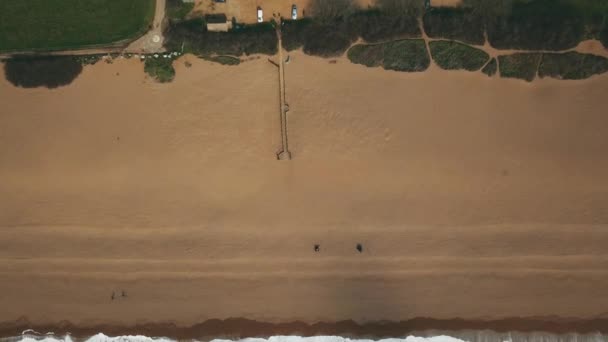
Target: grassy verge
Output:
[
  {"x": 519, "y": 65},
  {"x": 572, "y": 65},
  {"x": 42, "y": 25},
  {"x": 490, "y": 68},
  {"x": 49, "y": 72},
  {"x": 454, "y": 23},
  {"x": 161, "y": 69},
  {"x": 450, "y": 55},
  {"x": 406, "y": 55}
]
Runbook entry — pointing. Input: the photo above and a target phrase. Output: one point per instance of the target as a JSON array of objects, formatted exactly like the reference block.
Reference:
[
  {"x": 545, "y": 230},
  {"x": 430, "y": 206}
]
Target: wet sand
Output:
[{"x": 475, "y": 198}]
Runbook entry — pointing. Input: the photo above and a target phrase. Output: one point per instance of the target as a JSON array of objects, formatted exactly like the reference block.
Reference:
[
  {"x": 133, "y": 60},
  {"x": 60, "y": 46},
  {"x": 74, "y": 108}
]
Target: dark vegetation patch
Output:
[
  {"x": 376, "y": 25},
  {"x": 65, "y": 24},
  {"x": 519, "y": 65},
  {"x": 161, "y": 69},
  {"x": 402, "y": 55},
  {"x": 604, "y": 35},
  {"x": 327, "y": 39},
  {"x": 490, "y": 68},
  {"x": 450, "y": 55},
  {"x": 193, "y": 36},
  {"x": 88, "y": 59},
  {"x": 49, "y": 72},
  {"x": 454, "y": 23},
  {"x": 178, "y": 9},
  {"x": 294, "y": 33},
  {"x": 337, "y": 24},
  {"x": 368, "y": 55},
  {"x": 572, "y": 65},
  {"x": 538, "y": 25},
  {"x": 406, "y": 55},
  {"x": 225, "y": 60}
]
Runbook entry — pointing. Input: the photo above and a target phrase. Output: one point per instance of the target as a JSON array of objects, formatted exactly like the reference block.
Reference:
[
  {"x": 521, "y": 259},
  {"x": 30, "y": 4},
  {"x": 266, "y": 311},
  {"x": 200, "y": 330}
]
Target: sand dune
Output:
[{"x": 473, "y": 197}]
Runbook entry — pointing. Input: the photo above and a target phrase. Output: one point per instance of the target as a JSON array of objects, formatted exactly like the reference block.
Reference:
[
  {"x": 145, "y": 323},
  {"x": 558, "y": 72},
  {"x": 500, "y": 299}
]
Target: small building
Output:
[{"x": 218, "y": 23}]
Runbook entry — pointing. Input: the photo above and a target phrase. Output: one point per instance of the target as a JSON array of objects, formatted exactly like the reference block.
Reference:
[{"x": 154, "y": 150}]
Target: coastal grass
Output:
[
  {"x": 49, "y": 72},
  {"x": 519, "y": 65},
  {"x": 572, "y": 65},
  {"x": 368, "y": 55},
  {"x": 490, "y": 68},
  {"x": 44, "y": 25},
  {"x": 161, "y": 69},
  {"x": 450, "y": 55},
  {"x": 408, "y": 55}
]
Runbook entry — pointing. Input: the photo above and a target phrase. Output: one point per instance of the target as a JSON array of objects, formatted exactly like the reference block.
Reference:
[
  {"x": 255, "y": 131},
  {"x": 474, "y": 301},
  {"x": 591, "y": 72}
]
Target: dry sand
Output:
[{"x": 473, "y": 197}]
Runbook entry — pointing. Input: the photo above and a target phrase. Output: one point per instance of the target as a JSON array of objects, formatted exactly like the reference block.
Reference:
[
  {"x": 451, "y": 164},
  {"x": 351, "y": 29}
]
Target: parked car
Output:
[
  {"x": 260, "y": 14},
  {"x": 294, "y": 12}
]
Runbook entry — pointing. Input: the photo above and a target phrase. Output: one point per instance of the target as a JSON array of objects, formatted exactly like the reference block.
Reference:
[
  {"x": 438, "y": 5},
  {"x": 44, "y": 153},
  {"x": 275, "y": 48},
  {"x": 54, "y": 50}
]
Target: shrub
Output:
[
  {"x": 161, "y": 69},
  {"x": 225, "y": 60},
  {"x": 246, "y": 39},
  {"x": 519, "y": 65},
  {"x": 454, "y": 23},
  {"x": 178, "y": 9},
  {"x": 376, "y": 25},
  {"x": 450, "y": 55},
  {"x": 406, "y": 55},
  {"x": 368, "y": 55},
  {"x": 50, "y": 72},
  {"x": 327, "y": 40},
  {"x": 572, "y": 65},
  {"x": 604, "y": 36},
  {"x": 490, "y": 68},
  {"x": 538, "y": 25},
  {"x": 294, "y": 33}
]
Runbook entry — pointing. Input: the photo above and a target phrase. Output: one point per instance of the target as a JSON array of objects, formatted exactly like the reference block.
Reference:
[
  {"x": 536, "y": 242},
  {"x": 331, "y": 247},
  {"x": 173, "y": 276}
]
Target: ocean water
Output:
[{"x": 426, "y": 336}]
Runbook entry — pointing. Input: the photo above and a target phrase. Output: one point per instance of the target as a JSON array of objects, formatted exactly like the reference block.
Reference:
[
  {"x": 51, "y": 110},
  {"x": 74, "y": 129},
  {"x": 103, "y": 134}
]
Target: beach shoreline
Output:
[
  {"x": 124, "y": 200},
  {"x": 238, "y": 328}
]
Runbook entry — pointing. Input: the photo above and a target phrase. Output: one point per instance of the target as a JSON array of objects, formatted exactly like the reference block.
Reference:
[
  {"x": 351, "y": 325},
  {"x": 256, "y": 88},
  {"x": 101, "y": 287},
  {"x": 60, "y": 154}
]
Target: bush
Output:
[
  {"x": 450, "y": 55},
  {"x": 246, "y": 39},
  {"x": 604, "y": 36},
  {"x": 519, "y": 65},
  {"x": 376, "y": 25},
  {"x": 225, "y": 60},
  {"x": 406, "y": 55},
  {"x": 50, "y": 72},
  {"x": 178, "y": 9},
  {"x": 538, "y": 25},
  {"x": 454, "y": 23},
  {"x": 294, "y": 33},
  {"x": 368, "y": 55},
  {"x": 327, "y": 40},
  {"x": 490, "y": 68},
  {"x": 572, "y": 65},
  {"x": 161, "y": 69}
]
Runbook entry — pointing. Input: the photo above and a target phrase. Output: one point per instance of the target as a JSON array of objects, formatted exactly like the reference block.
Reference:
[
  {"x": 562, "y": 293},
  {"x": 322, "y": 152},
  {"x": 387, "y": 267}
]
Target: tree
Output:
[
  {"x": 489, "y": 10},
  {"x": 332, "y": 9},
  {"x": 402, "y": 7}
]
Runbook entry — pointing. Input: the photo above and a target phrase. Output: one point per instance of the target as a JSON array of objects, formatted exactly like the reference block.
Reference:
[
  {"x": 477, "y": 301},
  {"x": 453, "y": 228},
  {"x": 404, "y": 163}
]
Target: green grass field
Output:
[{"x": 69, "y": 24}]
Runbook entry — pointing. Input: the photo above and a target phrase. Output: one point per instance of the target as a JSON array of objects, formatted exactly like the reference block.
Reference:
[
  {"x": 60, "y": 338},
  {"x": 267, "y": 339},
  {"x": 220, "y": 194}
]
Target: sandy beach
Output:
[{"x": 127, "y": 202}]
